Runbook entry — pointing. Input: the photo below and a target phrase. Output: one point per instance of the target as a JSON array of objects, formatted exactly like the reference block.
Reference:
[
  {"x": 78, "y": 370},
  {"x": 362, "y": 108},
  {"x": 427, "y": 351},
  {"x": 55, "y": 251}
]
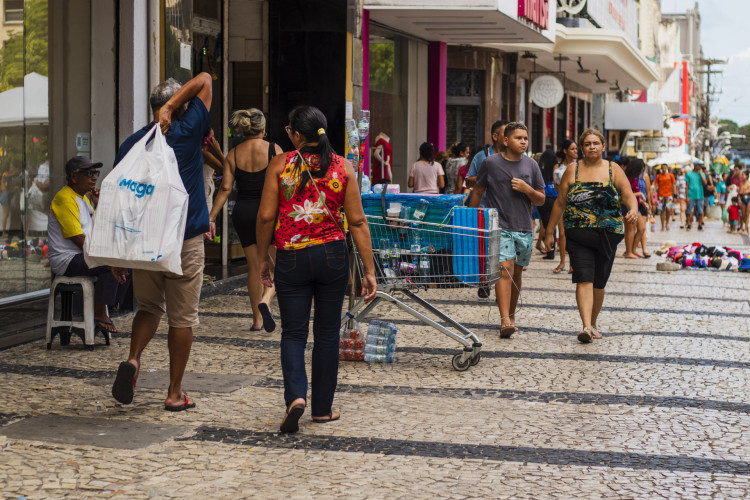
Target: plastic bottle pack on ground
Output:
[
  {"x": 351, "y": 341},
  {"x": 380, "y": 346}
]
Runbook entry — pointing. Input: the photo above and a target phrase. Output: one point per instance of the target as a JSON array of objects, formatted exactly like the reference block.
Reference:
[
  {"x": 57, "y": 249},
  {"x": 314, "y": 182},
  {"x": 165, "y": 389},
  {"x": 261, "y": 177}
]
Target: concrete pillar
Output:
[
  {"x": 597, "y": 111},
  {"x": 133, "y": 89},
  {"x": 69, "y": 81},
  {"x": 103, "y": 83},
  {"x": 437, "y": 77}
]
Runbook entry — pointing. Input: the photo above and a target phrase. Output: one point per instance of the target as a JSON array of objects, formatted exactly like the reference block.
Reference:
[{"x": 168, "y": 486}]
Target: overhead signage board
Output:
[
  {"x": 619, "y": 15},
  {"x": 534, "y": 12},
  {"x": 652, "y": 144}
]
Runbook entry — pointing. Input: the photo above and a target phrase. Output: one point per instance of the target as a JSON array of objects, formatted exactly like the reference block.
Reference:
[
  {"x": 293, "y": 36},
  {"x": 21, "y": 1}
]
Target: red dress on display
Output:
[{"x": 382, "y": 170}]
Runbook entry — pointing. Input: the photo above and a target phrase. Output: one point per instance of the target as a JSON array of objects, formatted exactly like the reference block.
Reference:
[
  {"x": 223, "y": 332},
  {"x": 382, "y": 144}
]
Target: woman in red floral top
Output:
[{"x": 306, "y": 194}]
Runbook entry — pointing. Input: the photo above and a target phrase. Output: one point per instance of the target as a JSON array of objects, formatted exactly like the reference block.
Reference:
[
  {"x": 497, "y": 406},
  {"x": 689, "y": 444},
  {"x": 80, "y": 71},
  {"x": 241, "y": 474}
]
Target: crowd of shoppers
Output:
[{"x": 293, "y": 208}]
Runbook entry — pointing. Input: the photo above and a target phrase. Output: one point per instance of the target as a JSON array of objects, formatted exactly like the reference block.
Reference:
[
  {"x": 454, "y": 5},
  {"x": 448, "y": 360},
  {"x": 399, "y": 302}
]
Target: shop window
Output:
[
  {"x": 385, "y": 91},
  {"x": 27, "y": 183},
  {"x": 382, "y": 65},
  {"x": 464, "y": 83},
  {"x": 13, "y": 11}
]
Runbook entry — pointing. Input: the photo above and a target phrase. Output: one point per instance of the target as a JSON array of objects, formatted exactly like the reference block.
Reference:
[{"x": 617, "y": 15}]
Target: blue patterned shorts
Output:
[{"x": 516, "y": 245}]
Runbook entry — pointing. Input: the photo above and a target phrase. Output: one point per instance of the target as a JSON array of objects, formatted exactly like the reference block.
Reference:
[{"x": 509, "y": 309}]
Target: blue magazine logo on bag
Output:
[{"x": 140, "y": 189}]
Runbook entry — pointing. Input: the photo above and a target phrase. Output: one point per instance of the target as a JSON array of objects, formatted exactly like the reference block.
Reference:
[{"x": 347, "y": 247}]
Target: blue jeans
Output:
[
  {"x": 696, "y": 205},
  {"x": 322, "y": 272}
]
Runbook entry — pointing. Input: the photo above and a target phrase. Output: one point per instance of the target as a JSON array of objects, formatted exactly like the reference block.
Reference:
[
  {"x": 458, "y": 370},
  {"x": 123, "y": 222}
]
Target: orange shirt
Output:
[{"x": 665, "y": 184}]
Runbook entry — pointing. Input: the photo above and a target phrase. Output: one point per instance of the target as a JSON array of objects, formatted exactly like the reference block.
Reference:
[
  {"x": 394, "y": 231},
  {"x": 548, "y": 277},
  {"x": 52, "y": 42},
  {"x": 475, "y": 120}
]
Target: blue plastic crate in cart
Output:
[{"x": 476, "y": 245}]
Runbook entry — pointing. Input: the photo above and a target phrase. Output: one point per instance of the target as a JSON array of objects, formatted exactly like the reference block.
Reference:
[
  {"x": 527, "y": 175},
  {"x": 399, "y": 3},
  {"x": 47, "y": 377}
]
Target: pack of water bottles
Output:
[{"x": 380, "y": 346}]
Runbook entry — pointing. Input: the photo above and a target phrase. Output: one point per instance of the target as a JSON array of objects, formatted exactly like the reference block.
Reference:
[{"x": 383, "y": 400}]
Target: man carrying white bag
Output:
[
  {"x": 155, "y": 205},
  {"x": 140, "y": 220}
]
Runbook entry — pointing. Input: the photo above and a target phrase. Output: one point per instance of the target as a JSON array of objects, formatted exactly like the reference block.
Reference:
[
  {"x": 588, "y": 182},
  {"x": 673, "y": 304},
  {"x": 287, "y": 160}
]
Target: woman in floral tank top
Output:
[
  {"x": 589, "y": 203},
  {"x": 305, "y": 198}
]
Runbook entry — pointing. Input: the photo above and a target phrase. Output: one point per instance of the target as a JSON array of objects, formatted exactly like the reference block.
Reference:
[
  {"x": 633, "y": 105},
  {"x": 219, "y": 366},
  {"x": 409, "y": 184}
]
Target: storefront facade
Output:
[
  {"x": 78, "y": 75},
  {"x": 444, "y": 84}
]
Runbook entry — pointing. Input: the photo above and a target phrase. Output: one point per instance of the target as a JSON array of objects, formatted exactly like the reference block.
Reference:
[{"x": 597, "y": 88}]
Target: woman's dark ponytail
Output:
[
  {"x": 311, "y": 123},
  {"x": 427, "y": 152}
]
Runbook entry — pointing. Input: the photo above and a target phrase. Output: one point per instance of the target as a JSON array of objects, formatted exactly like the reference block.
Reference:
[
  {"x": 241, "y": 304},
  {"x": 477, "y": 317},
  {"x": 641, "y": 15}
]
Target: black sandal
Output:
[
  {"x": 291, "y": 419},
  {"x": 326, "y": 419},
  {"x": 585, "y": 336}
]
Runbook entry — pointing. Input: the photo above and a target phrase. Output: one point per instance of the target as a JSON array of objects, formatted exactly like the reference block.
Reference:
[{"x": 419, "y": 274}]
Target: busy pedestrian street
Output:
[
  {"x": 657, "y": 408},
  {"x": 374, "y": 249}
]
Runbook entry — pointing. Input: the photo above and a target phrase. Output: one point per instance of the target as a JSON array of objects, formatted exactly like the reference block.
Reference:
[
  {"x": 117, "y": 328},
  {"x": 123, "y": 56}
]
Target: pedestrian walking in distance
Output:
[
  {"x": 589, "y": 201},
  {"x": 305, "y": 194},
  {"x": 513, "y": 182},
  {"x": 183, "y": 115},
  {"x": 247, "y": 163},
  {"x": 427, "y": 175}
]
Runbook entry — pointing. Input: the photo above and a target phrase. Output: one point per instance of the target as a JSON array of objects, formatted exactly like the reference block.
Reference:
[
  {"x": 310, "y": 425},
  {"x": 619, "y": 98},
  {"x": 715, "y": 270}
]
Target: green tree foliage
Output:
[
  {"x": 25, "y": 51},
  {"x": 382, "y": 61},
  {"x": 728, "y": 126}
]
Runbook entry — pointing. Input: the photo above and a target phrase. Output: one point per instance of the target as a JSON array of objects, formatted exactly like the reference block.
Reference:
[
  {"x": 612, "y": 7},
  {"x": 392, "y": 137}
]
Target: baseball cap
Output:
[{"x": 80, "y": 163}]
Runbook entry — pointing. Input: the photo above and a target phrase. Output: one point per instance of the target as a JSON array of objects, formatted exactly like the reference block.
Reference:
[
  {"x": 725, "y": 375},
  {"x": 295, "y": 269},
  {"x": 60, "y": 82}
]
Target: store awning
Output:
[
  {"x": 25, "y": 105},
  {"x": 619, "y": 64},
  {"x": 457, "y": 22},
  {"x": 633, "y": 116}
]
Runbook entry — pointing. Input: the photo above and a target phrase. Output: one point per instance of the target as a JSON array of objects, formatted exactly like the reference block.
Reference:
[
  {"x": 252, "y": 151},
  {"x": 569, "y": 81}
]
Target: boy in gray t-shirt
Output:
[{"x": 513, "y": 182}]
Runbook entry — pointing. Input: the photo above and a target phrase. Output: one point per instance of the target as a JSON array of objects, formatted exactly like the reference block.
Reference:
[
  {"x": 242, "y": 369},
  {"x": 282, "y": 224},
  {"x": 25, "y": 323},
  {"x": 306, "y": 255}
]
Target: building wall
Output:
[{"x": 649, "y": 19}]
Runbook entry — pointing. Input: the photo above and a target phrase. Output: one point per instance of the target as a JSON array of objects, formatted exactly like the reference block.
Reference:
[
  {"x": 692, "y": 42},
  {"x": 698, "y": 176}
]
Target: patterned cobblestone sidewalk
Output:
[{"x": 659, "y": 408}]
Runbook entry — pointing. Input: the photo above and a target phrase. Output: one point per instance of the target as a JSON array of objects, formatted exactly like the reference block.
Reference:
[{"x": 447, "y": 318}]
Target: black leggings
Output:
[{"x": 592, "y": 253}]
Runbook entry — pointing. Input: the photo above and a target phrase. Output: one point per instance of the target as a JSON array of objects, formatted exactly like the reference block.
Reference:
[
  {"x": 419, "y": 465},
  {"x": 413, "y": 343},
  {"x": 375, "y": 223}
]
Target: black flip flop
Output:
[
  {"x": 107, "y": 325},
  {"x": 269, "y": 324},
  {"x": 507, "y": 330},
  {"x": 585, "y": 336},
  {"x": 124, "y": 386},
  {"x": 184, "y": 406},
  {"x": 326, "y": 419},
  {"x": 291, "y": 419}
]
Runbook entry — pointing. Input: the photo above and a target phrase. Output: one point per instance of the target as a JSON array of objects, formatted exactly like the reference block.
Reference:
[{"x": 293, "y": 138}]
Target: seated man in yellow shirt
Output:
[{"x": 69, "y": 221}]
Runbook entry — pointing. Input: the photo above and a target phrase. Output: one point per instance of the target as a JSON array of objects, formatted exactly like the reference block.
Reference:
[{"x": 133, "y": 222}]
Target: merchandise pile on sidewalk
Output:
[{"x": 697, "y": 255}]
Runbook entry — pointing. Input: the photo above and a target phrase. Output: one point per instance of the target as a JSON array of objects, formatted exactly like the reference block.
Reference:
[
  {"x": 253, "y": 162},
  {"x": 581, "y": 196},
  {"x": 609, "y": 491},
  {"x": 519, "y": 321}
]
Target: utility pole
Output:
[{"x": 708, "y": 63}]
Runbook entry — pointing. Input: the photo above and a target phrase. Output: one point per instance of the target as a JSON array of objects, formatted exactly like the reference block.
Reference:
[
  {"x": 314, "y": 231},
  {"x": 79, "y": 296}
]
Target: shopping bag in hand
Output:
[{"x": 140, "y": 220}]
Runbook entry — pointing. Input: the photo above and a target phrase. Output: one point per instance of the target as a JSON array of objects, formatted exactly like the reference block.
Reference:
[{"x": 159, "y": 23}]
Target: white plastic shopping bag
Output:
[{"x": 140, "y": 220}]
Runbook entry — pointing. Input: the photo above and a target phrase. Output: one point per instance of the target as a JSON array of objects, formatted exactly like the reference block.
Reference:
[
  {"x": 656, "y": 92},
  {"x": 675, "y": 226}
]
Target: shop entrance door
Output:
[{"x": 463, "y": 112}]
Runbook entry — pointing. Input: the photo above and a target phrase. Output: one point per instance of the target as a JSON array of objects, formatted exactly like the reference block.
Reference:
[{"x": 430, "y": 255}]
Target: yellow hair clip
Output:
[{"x": 321, "y": 131}]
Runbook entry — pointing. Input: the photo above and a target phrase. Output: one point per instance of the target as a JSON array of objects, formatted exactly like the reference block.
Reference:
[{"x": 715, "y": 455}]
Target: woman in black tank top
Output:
[{"x": 250, "y": 173}]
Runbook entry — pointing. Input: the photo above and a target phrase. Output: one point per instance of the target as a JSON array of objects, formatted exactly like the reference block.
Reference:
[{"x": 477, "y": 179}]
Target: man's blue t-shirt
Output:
[
  {"x": 185, "y": 137},
  {"x": 474, "y": 169}
]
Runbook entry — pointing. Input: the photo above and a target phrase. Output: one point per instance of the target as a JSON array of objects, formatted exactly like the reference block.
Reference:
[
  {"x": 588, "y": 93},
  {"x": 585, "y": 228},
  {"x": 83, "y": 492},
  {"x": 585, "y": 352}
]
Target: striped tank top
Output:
[{"x": 594, "y": 205}]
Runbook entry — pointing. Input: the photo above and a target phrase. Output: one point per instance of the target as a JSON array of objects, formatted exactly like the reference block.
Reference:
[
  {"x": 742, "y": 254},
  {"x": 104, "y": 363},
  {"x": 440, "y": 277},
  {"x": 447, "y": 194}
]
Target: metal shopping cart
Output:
[{"x": 415, "y": 255}]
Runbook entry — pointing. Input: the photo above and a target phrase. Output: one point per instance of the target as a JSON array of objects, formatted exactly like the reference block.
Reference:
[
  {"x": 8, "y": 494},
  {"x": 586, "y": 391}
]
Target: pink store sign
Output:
[{"x": 535, "y": 12}]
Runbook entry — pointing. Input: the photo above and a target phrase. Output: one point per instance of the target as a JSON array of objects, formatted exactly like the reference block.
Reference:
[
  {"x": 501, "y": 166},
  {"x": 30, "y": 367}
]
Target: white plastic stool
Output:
[{"x": 65, "y": 325}]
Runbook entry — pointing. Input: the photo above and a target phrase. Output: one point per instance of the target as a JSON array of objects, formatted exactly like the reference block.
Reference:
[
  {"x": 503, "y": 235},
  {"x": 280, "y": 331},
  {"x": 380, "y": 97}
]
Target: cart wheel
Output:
[
  {"x": 476, "y": 359},
  {"x": 458, "y": 366}
]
